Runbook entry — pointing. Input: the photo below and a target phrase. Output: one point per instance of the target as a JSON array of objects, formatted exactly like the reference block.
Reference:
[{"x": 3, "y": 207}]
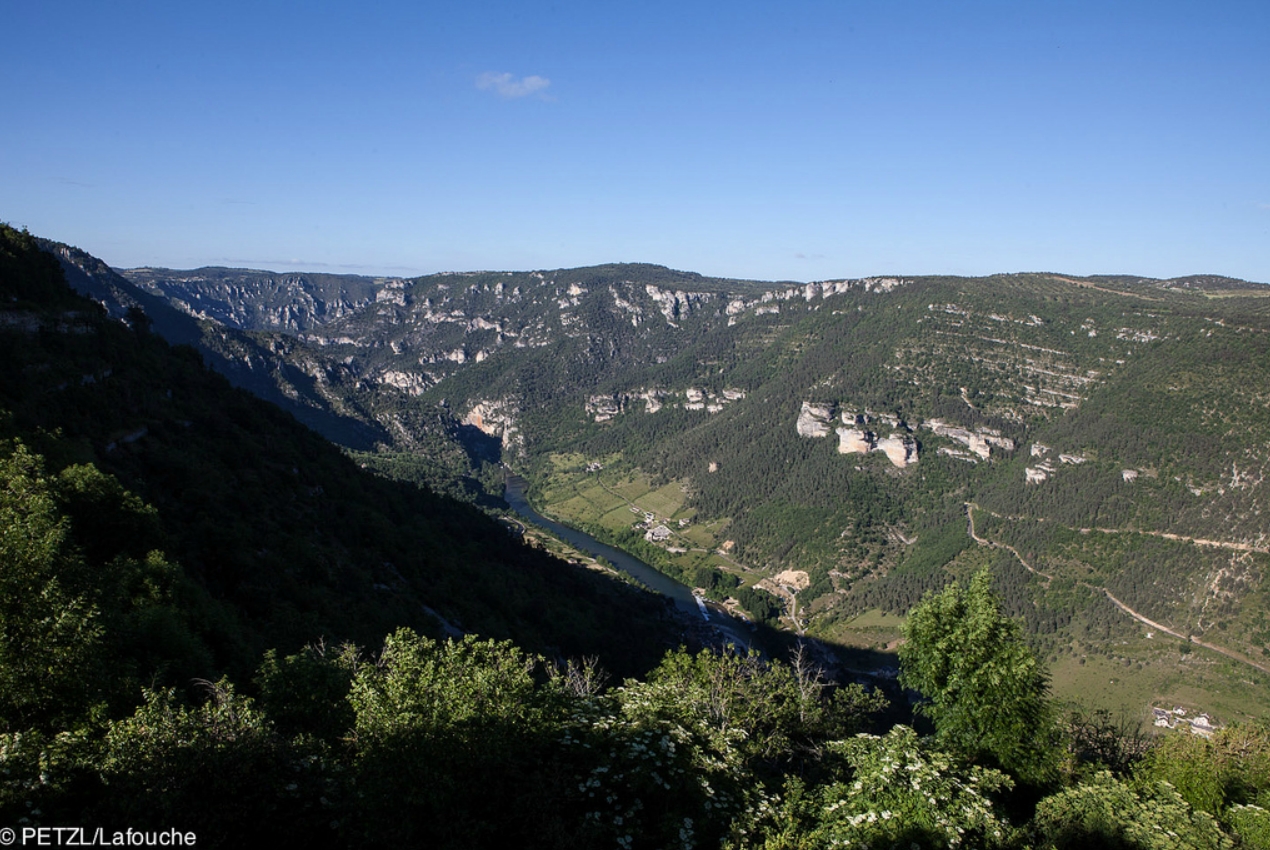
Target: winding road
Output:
[{"x": 971, "y": 507}]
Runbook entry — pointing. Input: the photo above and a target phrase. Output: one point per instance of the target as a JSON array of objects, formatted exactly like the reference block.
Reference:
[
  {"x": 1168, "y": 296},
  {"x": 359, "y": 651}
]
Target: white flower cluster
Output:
[{"x": 900, "y": 787}]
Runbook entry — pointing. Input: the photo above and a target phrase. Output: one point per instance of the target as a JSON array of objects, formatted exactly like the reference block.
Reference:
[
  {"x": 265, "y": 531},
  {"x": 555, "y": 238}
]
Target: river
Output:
[{"x": 733, "y": 629}]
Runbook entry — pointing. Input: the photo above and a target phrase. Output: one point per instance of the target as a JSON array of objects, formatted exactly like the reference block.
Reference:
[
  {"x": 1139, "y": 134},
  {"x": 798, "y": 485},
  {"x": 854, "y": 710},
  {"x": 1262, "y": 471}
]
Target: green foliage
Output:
[
  {"x": 218, "y": 769},
  {"x": 1251, "y": 824},
  {"x": 765, "y": 709},
  {"x": 1188, "y": 763},
  {"x": 1107, "y": 812},
  {"x": 985, "y": 690},
  {"x": 647, "y": 780},
  {"x": 1230, "y": 768},
  {"x": 307, "y": 693},
  {"x": 50, "y": 630},
  {"x": 685, "y": 758},
  {"x": 900, "y": 793},
  {"x": 444, "y": 732},
  {"x": 87, "y": 610}
]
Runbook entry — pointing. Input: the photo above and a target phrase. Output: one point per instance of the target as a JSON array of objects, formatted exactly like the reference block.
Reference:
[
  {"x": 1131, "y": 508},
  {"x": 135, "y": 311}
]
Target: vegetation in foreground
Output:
[
  {"x": 469, "y": 742},
  {"x": 475, "y": 743}
]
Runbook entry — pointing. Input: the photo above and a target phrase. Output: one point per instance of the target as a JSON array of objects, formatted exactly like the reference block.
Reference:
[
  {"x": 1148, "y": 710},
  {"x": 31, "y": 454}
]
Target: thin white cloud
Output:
[{"x": 505, "y": 85}]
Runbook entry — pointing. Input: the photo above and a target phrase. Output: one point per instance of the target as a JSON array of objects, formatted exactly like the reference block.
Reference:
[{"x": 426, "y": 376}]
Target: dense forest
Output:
[
  {"x": 213, "y": 620},
  {"x": 1126, "y": 410}
]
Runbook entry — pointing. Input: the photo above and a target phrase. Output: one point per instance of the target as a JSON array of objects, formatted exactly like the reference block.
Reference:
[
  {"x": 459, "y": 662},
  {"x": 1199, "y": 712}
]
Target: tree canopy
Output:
[{"x": 985, "y": 690}]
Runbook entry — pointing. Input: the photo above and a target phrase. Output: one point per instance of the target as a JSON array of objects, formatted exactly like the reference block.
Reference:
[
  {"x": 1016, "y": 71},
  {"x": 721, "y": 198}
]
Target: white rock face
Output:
[
  {"x": 900, "y": 449},
  {"x": 1129, "y": 474},
  {"x": 814, "y": 419},
  {"x": 674, "y": 304},
  {"x": 1040, "y": 472},
  {"x": 604, "y": 407},
  {"x": 393, "y": 293},
  {"x": 408, "y": 381},
  {"x": 496, "y": 418},
  {"x": 854, "y": 441},
  {"x": 979, "y": 441}
]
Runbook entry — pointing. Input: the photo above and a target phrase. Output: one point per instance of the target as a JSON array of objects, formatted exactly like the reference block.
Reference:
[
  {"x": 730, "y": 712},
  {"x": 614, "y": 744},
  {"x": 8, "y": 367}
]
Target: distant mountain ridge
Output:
[
  {"x": 274, "y": 538},
  {"x": 834, "y": 433}
]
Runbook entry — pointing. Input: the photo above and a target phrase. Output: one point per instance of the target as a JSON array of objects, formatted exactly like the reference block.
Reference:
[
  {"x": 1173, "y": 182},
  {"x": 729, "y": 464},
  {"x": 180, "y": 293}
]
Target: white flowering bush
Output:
[
  {"x": 649, "y": 782},
  {"x": 903, "y": 794},
  {"x": 1108, "y": 812}
]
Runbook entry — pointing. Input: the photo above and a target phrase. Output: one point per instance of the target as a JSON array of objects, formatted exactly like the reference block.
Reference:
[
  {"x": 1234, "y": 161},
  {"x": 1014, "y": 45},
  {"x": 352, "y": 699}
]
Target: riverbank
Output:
[{"x": 711, "y": 619}]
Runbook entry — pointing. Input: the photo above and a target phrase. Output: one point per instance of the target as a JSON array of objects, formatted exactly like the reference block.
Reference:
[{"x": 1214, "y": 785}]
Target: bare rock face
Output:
[
  {"x": 817, "y": 420},
  {"x": 854, "y": 441},
  {"x": 980, "y": 441},
  {"x": 900, "y": 449},
  {"x": 675, "y": 305},
  {"x": 605, "y": 407},
  {"x": 814, "y": 420},
  {"x": 410, "y": 382},
  {"x": 497, "y": 419}
]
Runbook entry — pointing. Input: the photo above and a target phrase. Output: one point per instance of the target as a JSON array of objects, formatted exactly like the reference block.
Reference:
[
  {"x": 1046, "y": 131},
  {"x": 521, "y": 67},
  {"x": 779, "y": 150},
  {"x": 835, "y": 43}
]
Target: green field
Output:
[
  {"x": 1203, "y": 682},
  {"x": 1128, "y": 680},
  {"x": 871, "y": 629},
  {"x": 617, "y": 497}
]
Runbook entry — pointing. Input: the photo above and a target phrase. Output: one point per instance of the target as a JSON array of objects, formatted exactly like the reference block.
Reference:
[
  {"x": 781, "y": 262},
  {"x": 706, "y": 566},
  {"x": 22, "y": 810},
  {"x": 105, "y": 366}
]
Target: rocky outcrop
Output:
[
  {"x": 814, "y": 420},
  {"x": 409, "y": 382},
  {"x": 769, "y": 302},
  {"x": 676, "y": 304},
  {"x": 900, "y": 449},
  {"x": 497, "y": 418},
  {"x": 980, "y": 441},
  {"x": 854, "y": 441},
  {"x": 1039, "y": 473},
  {"x": 602, "y": 408},
  {"x": 652, "y": 400}
]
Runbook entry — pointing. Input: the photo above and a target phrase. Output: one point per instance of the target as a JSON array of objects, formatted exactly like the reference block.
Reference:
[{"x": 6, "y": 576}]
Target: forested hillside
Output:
[
  {"x": 214, "y": 622},
  {"x": 267, "y": 534},
  {"x": 817, "y": 451}
]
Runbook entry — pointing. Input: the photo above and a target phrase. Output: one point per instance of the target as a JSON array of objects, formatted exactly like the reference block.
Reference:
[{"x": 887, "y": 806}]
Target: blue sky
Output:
[{"x": 799, "y": 140}]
